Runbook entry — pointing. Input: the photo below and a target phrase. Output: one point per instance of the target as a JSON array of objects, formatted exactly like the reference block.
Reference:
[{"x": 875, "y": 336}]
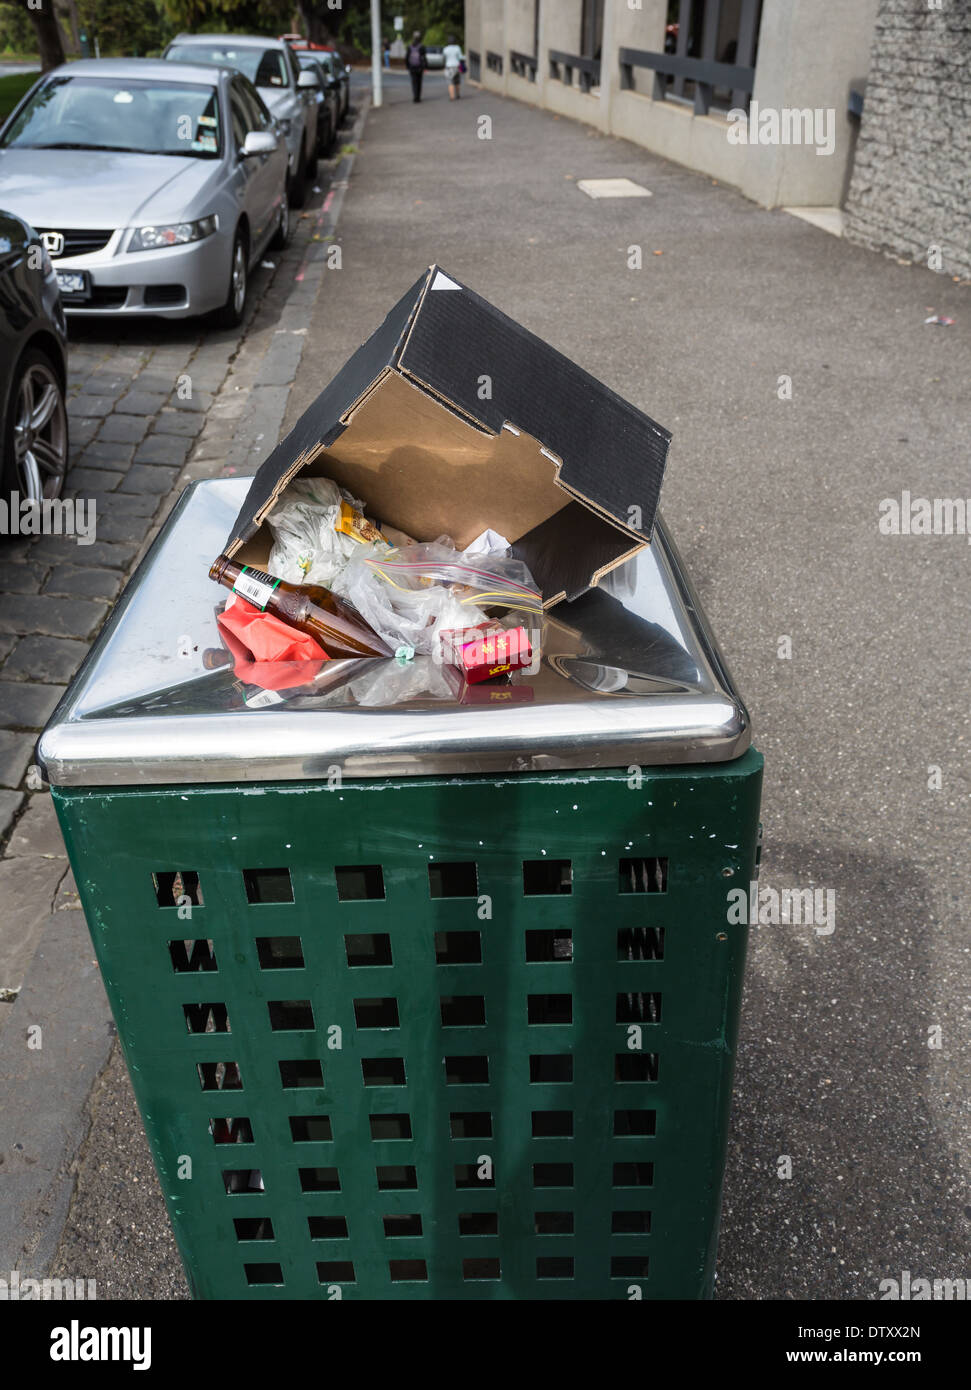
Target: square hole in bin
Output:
[
  {"x": 640, "y": 943},
  {"x": 253, "y": 1228},
  {"x": 554, "y": 1267},
  {"x": 630, "y": 1223},
  {"x": 552, "y": 1174},
  {"x": 311, "y": 1129},
  {"x": 635, "y": 1123},
  {"x": 231, "y": 1130},
  {"x": 458, "y": 948},
  {"x": 190, "y": 956},
  {"x": 178, "y": 889},
  {"x": 467, "y": 1175},
  {"x": 407, "y": 1271},
  {"x": 290, "y": 1015},
  {"x": 478, "y": 1223},
  {"x": 628, "y": 1266},
  {"x": 639, "y": 1008},
  {"x": 402, "y": 1224},
  {"x": 394, "y": 1177},
  {"x": 359, "y": 881},
  {"x": 279, "y": 952},
  {"x": 390, "y": 1126},
  {"x": 552, "y": 1124},
  {"x": 463, "y": 1011},
  {"x": 480, "y": 1267},
  {"x": 365, "y": 948},
  {"x": 263, "y": 1273},
  {"x": 636, "y": 1066},
  {"x": 335, "y": 1272},
  {"x": 642, "y": 875},
  {"x": 549, "y": 1008},
  {"x": 240, "y": 1180},
  {"x": 376, "y": 1013},
  {"x": 206, "y": 1018},
  {"x": 553, "y": 1223},
  {"x": 545, "y": 876},
  {"x": 633, "y": 1175},
  {"x": 470, "y": 1124},
  {"x": 453, "y": 880},
  {"x": 327, "y": 1227},
  {"x": 466, "y": 1071},
  {"x": 555, "y": 945},
  {"x": 319, "y": 1180},
  {"x": 383, "y": 1071},
  {"x": 551, "y": 1067},
  {"x": 219, "y": 1076},
  {"x": 300, "y": 1074},
  {"x": 268, "y": 885}
]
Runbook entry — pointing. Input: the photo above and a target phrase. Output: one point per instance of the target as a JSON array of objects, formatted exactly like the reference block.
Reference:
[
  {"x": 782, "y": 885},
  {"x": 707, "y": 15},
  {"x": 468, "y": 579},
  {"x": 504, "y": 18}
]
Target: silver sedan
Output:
[{"x": 155, "y": 186}]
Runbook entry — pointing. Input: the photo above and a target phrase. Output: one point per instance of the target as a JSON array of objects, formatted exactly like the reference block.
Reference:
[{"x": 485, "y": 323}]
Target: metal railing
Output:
[
  {"x": 523, "y": 65},
  {"x": 475, "y": 65},
  {"x": 562, "y": 65},
  {"x": 494, "y": 61},
  {"x": 703, "y": 70}
]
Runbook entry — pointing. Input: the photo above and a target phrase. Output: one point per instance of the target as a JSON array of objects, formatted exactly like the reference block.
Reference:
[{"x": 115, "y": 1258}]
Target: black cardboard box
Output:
[{"x": 452, "y": 418}]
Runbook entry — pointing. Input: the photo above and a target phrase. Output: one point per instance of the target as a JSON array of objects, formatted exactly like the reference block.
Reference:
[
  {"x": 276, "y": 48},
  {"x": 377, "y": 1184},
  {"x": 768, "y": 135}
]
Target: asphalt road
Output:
[{"x": 774, "y": 503}]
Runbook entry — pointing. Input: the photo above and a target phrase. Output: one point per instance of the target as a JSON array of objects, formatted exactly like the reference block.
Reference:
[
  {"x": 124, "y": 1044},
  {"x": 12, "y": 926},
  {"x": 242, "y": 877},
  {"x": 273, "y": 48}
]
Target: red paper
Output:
[{"x": 267, "y": 652}]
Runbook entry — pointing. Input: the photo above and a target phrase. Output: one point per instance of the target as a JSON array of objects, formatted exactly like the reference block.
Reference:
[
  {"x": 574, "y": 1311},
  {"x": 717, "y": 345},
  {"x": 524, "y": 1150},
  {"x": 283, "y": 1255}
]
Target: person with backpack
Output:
[{"x": 416, "y": 63}]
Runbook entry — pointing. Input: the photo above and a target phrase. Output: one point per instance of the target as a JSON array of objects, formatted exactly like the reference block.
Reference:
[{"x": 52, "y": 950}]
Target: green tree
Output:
[{"x": 46, "y": 31}]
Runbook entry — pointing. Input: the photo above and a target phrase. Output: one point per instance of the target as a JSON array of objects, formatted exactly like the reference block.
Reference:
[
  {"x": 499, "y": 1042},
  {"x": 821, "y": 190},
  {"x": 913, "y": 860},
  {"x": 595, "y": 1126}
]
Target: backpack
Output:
[{"x": 414, "y": 56}]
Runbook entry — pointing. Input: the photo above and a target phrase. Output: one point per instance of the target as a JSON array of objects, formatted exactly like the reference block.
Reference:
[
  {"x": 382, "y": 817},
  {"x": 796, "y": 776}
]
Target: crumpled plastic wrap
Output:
[
  {"x": 307, "y": 547},
  {"x": 405, "y": 615}
]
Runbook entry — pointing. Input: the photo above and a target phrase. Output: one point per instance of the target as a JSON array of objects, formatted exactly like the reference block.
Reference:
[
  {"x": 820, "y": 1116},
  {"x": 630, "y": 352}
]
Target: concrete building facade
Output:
[{"x": 679, "y": 77}]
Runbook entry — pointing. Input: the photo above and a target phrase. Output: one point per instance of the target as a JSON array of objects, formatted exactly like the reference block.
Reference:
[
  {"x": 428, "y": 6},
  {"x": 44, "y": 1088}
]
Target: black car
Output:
[{"x": 33, "y": 367}]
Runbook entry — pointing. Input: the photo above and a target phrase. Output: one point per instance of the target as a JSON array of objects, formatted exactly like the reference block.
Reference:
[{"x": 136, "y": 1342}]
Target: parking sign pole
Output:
[{"x": 376, "y": 51}]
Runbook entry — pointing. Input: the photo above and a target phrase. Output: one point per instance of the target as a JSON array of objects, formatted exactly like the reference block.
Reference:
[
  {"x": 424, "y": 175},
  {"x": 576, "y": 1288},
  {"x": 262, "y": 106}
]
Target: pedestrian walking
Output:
[
  {"x": 417, "y": 63},
  {"x": 454, "y": 66},
  {"x": 387, "y": 53}
]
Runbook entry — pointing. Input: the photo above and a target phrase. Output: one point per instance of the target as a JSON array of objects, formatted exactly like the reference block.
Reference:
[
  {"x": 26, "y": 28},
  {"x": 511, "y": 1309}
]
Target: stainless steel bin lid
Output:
[{"x": 630, "y": 675}]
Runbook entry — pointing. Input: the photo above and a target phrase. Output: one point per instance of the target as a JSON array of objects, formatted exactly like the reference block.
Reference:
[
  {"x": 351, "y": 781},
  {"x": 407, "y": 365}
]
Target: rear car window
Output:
[{"x": 265, "y": 67}]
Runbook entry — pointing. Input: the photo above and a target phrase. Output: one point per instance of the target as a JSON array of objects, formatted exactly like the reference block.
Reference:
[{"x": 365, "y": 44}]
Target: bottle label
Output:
[
  {"x": 263, "y": 699},
  {"x": 255, "y": 586}
]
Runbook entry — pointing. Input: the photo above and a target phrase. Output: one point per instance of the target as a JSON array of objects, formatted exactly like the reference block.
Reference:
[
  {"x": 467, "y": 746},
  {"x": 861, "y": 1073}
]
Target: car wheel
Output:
[
  {"x": 281, "y": 236},
  {"x": 231, "y": 314},
  {"x": 298, "y": 184},
  {"x": 36, "y": 447}
]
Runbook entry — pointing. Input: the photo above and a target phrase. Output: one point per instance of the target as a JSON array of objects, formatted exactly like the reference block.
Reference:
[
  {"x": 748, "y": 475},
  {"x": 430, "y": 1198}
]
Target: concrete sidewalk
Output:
[{"x": 774, "y": 503}]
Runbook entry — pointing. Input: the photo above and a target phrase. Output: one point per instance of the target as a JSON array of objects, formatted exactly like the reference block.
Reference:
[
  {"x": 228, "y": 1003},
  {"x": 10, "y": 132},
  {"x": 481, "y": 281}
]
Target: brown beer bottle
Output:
[{"x": 309, "y": 608}]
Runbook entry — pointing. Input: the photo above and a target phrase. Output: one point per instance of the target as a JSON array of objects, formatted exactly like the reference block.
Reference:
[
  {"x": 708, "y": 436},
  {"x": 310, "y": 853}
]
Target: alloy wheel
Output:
[{"x": 40, "y": 440}]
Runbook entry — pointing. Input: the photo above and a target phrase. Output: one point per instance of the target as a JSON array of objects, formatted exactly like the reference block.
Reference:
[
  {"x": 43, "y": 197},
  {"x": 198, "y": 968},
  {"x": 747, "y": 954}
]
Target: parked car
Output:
[
  {"x": 334, "y": 63},
  {"x": 272, "y": 68},
  {"x": 33, "y": 367},
  {"x": 155, "y": 185},
  {"x": 434, "y": 55},
  {"x": 328, "y": 101},
  {"x": 333, "y": 59}
]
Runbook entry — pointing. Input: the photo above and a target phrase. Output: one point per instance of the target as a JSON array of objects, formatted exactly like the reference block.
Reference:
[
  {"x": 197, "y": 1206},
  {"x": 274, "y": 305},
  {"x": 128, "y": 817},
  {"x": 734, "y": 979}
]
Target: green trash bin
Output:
[{"x": 436, "y": 1000}]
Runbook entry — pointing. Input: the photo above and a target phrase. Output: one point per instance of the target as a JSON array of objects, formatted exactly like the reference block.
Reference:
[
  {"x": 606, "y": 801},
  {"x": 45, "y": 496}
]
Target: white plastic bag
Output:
[
  {"x": 404, "y": 615},
  {"x": 307, "y": 547}
]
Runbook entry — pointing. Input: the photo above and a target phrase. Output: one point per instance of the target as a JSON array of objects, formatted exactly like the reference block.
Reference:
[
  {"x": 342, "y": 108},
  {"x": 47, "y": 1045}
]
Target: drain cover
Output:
[{"x": 613, "y": 188}]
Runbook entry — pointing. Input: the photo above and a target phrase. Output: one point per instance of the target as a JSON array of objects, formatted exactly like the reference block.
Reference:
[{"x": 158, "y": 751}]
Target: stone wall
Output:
[{"x": 910, "y": 190}]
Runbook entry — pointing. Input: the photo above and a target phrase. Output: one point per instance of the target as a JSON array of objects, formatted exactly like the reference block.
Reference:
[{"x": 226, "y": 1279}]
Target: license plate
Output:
[{"x": 73, "y": 282}]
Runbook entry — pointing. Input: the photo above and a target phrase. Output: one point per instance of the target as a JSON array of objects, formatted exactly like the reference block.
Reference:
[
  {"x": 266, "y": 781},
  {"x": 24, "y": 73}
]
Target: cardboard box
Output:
[{"x": 452, "y": 418}]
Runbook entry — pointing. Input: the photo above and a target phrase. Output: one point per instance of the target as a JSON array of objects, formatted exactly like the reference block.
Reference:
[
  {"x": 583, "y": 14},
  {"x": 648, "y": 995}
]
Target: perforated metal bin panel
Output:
[{"x": 445, "y": 1038}]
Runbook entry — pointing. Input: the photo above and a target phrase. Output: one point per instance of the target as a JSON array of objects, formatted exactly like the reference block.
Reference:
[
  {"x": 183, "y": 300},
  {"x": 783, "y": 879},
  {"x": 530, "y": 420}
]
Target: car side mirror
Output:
[
  {"x": 308, "y": 79},
  {"x": 258, "y": 142}
]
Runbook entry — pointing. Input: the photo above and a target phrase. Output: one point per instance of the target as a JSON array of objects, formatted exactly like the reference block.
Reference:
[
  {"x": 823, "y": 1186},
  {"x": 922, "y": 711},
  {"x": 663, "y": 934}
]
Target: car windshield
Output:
[
  {"x": 117, "y": 113},
  {"x": 265, "y": 67}
]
